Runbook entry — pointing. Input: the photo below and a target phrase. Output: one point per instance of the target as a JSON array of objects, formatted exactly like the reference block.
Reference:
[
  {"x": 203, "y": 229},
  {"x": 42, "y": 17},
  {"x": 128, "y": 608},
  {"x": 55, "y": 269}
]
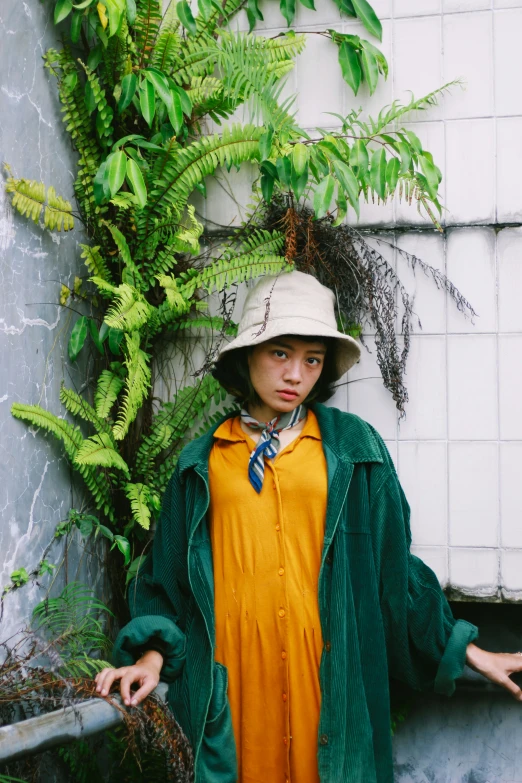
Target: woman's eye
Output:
[
  {"x": 313, "y": 359},
  {"x": 280, "y": 354}
]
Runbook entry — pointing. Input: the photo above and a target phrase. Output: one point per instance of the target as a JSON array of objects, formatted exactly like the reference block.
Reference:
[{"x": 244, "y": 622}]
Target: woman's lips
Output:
[{"x": 288, "y": 395}]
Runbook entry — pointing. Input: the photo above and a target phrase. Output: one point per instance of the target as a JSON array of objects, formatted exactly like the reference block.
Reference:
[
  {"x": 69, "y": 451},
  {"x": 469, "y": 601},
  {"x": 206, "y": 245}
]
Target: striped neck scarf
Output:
[{"x": 268, "y": 444}]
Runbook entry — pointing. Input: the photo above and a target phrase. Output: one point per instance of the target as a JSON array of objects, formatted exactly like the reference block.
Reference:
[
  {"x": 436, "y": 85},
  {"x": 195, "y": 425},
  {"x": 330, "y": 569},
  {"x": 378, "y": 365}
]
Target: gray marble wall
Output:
[{"x": 35, "y": 483}]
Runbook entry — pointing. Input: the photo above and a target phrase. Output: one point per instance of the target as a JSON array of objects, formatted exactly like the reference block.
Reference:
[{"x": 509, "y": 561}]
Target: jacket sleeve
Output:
[
  {"x": 426, "y": 645},
  {"x": 153, "y": 595}
]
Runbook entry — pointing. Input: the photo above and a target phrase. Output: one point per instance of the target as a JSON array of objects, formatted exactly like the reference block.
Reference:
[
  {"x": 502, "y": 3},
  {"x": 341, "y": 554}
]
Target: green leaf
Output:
[
  {"x": 129, "y": 84},
  {"x": 62, "y": 10},
  {"x": 77, "y": 338},
  {"x": 370, "y": 69},
  {"x": 76, "y": 26},
  {"x": 84, "y": 525},
  {"x": 160, "y": 84},
  {"x": 299, "y": 182},
  {"x": 205, "y": 7},
  {"x": 300, "y": 156},
  {"x": 288, "y": 10},
  {"x": 115, "y": 11},
  {"x": 368, "y": 17},
  {"x": 348, "y": 182},
  {"x": 431, "y": 173},
  {"x": 106, "y": 532},
  {"x": 186, "y": 18},
  {"x": 359, "y": 159},
  {"x": 392, "y": 173},
  {"x": 95, "y": 57},
  {"x": 117, "y": 171},
  {"x": 125, "y": 548},
  {"x": 267, "y": 186},
  {"x": 323, "y": 196},
  {"x": 104, "y": 332},
  {"x": 186, "y": 103},
  {"x": 346, "y": 7},
  {"x": 253, "y": 13},
  {"x": 284, "y": 171},
  {"x": 342, "y": 208},
  {"x": 115, "y": 338},
  {"x": 405, "y": 154},
  {"x": 101, "y": 183},
  {"x": 308, "y": 4},
  {"x": 131, "y": 11},
  {"x": 414, "y": 141},
  {"x": 378, "y": 172},
  {"x": 100, "y": 450},
  {"x": 136, "y": 182},
  {"x": 90, "y": 102},
  {"x": 381, "y": 59},
  {"x": 148, "y": 101},
  {"x": 350, "y": 66},
  {"x": 175, "y": 112},
  {"x": 265, "y": 143},
  {"x": 93, "y": 329}
]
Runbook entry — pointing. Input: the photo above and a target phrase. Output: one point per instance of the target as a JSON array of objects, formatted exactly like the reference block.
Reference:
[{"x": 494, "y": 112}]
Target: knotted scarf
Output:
[{"x": 268, "y": 444}]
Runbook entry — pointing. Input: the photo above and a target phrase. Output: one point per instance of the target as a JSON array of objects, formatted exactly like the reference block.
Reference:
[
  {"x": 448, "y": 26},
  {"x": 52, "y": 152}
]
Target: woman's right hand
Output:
[{"x": 145, "y": 672}]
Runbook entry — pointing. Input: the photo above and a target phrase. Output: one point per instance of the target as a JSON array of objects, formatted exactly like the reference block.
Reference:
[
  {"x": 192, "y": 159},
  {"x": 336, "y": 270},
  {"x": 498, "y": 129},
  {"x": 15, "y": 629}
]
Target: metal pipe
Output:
[{"x": 35, "y": 735}]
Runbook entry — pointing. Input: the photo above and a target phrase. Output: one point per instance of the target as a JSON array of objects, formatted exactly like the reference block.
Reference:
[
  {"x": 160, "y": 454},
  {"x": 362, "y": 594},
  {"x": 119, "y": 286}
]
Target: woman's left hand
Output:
[{"x": 496, "y": 667}]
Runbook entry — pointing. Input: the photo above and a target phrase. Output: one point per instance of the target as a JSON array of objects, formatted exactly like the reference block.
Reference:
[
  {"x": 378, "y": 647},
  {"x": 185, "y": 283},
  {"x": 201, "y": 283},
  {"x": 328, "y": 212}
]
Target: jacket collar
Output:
[{"x": 347, "y": 435}]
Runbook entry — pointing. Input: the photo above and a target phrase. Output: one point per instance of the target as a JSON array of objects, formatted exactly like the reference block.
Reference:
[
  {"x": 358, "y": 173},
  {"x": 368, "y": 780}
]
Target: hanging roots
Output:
[{"x": 364, "y": 282}]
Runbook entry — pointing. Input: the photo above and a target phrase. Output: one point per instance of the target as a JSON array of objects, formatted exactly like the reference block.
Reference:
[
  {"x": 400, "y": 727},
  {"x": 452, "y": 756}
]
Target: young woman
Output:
[{"x": 280, "y": 592}]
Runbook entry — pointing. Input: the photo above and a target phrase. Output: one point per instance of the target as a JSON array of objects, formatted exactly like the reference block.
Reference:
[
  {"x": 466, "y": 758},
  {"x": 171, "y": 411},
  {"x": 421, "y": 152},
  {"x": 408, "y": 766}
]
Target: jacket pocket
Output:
[{"x": 217, "y": 760}]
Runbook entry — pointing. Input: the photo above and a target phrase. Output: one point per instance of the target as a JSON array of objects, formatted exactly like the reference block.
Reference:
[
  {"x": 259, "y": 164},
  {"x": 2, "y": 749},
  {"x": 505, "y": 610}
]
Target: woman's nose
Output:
[{"x": 293, "y": 372}]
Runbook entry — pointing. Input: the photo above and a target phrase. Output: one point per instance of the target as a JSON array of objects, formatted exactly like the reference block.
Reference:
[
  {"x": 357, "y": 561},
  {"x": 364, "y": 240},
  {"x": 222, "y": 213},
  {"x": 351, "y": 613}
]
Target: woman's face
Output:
[{"x": 283, "y": 372}]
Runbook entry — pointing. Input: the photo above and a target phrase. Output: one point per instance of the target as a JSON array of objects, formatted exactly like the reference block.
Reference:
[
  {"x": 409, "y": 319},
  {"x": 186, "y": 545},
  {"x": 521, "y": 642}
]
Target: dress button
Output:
[
  {"x": 285, "y": 697},
  {"x": 281, "y": 613},
  {"x": 281, "y": 571},
  {"x": 327, "y": 646},
  {"x": 285, "y": 740},
  {"x": 278, "y": 527},
  {"x": 324, "y": 739},
  {"x": 283, "y": 654}
]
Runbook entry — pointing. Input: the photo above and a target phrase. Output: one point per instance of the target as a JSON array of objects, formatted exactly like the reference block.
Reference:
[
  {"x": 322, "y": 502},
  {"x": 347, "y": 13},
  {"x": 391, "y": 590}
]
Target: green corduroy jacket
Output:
[{"x": 382, "y": 610}]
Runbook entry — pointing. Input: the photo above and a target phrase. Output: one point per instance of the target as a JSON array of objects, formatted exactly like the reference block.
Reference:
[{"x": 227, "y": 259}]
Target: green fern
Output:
[
  {"x": 95, "y": 263},
  {"x": 226, "y": 272},
  {"x": 168, "y": 41},
  {"x": 100, "y": 450},
  {"x": 132, "y": 270},
  {"x": 140, "y": 497},
  {"x": 146, "y": 28},
  {"x": 72, "y": 439},
  {"x": 130, "y": 310},
  {"x": 109, "y": 386},
  {"x": 105, "y": 113},
  {"x": 29, "y": 199},
  {"x": 78, "y": 406},
  {"x": 137, "y": 385}
]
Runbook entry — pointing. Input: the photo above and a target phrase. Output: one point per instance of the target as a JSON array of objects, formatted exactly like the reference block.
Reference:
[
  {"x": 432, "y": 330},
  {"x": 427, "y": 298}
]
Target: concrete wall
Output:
[{"x": 35, "y": 484}]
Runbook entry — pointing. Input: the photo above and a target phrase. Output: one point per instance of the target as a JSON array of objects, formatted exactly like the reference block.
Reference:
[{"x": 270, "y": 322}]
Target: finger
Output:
[
  {"x": 149, "y": 683},
  {"x": 510, "y": 686},
  {"x": 100, "y": 678},
  {"x": 125, "y": 684},
  {"x": 112, "y": 674}
]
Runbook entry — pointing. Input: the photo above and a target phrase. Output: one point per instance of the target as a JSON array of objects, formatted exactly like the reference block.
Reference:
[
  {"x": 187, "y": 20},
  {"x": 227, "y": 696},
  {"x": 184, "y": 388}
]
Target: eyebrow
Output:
[{"x": 280, "y": 343}]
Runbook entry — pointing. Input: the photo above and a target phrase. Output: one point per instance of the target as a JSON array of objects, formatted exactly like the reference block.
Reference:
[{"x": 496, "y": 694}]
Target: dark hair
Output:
[{"x": 231, "y": 371}]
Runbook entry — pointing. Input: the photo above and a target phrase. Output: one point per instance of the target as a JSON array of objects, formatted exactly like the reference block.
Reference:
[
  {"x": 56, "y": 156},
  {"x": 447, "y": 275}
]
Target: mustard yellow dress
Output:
[{"x": 267, "y": 552}]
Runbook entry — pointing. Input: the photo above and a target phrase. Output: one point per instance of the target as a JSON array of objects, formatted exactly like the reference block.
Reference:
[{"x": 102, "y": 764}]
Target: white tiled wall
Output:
[{"x": 459, "y": 450}]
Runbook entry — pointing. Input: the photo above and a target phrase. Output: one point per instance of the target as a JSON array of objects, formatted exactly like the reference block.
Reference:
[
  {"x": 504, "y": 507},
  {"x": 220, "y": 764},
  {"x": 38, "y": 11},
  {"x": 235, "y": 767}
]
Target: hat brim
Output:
[{"x": 347, "y": 352}]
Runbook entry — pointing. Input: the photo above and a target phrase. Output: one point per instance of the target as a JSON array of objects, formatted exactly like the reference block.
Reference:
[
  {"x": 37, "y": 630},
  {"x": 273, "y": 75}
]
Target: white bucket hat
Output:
[{"x": 292, "y": 303}]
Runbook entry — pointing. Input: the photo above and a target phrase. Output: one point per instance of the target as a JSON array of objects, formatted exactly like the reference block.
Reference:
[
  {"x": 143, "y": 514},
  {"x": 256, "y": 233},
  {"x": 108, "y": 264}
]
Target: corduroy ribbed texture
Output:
[{"x": 382, "y": 609}]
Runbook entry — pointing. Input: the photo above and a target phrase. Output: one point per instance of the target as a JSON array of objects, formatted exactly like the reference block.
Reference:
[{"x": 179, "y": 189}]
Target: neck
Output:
[{"x": 263, "y": 413}]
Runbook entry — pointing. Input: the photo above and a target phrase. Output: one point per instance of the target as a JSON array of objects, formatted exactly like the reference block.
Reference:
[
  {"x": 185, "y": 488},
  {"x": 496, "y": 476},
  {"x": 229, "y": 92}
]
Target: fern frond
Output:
[
  {"x": 116, "y": 61},
  {"x": 139, "y": 496},
  {"x": 213, "y": 322},
  {"x": 76, "y": 405},
  {"x": 130, "y": 310},
  {"x": 109, "y": 386},
  {"x": 168, "y": 41},
  {"x": 176, "y": 301},
  {"x": 151, "y": 446},
  {"x": 29, "y": 200},
  {"x": 196, "y": 161},
  {"x": 196, "y": 57},
  {"x": 146, "y": 26},
  {"x": 72, "y": 438},
  {"x": 226, "y": 272},
  {"x": 95, "y": 262},
  {"x": 160, "y": 477},
  {"x": 99, "y": 450},
  {"x": 123, "y": 247},
  {"x": 137, "y": 385},
  {"x": 217, "y": 17},
  {"x": 105, "y": 114}
]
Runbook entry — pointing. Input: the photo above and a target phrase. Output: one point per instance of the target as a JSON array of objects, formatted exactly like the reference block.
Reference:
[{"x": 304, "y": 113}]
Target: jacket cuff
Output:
[
  {"x": 163, "y": 635},
  {"x": 453, "y": 660}
]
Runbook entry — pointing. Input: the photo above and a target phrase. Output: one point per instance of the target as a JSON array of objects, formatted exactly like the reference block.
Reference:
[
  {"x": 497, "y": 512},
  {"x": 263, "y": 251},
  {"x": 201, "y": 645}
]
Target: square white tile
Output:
[
  {"x": 510, "y": 384},
  {"x": 320, "y": 89},
  {"x": 507, "y": 28},
  {"x": 468, "y": 55},
  {"x": 511, "y": 570},
  {"x": 473, "y": 494},
  {"x": 423, "y": 476},
  {"x": 426, "y": 383},
  {"x": 471, "y": 267},
  {"x": 472, "y": 387},
  {"x": 415, "y": 8},
  {"x": 475, "y": 570},
  {"x": 509, "y": 252},
  {"x": 367, "y": 396},
  {"x": 509, "y": 170},
  {"x": 417, "y": 40},
  {"x": 510, "y": 494},
  {"x": 429, "y": 302},
  {"x": 470, "y": 166}
]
